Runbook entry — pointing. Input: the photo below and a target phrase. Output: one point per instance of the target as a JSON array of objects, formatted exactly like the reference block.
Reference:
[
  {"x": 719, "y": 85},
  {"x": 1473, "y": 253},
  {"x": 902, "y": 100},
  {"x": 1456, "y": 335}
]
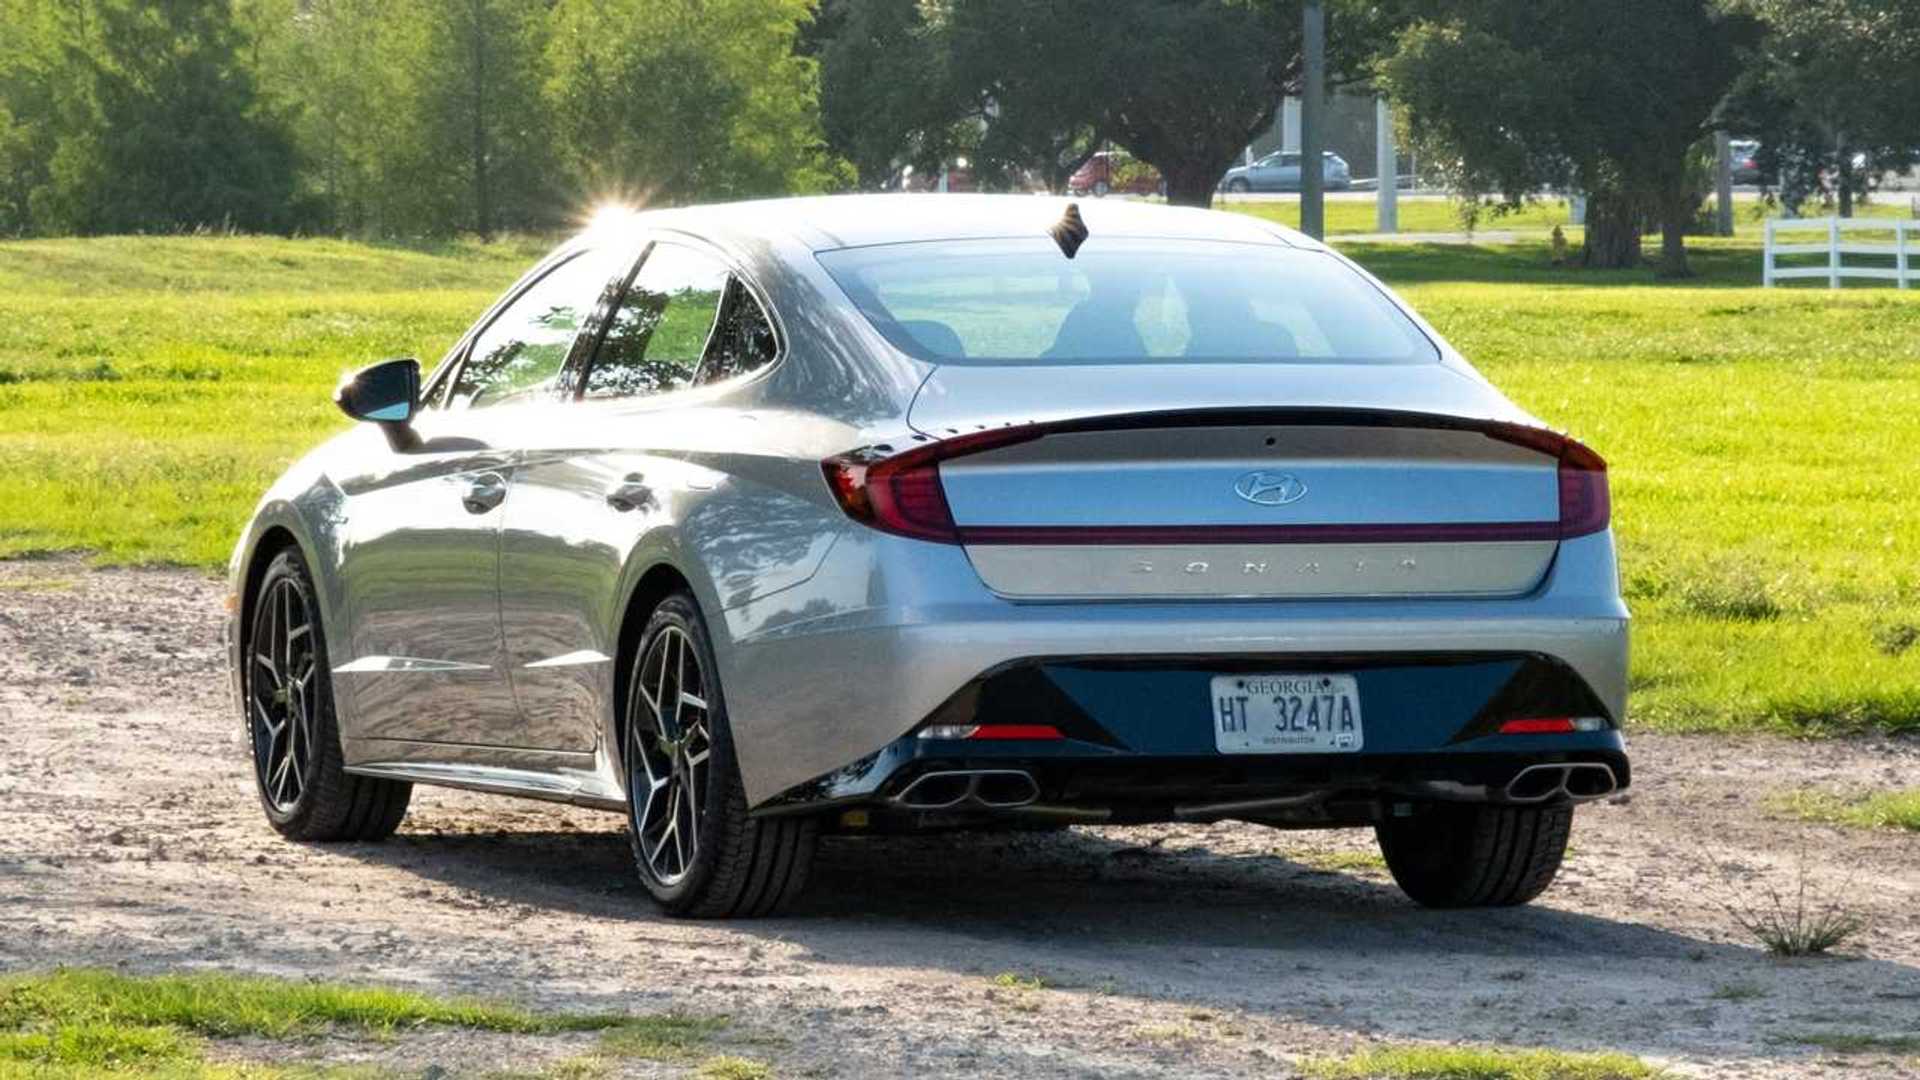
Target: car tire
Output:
[
  {"x": 1238, "y": 186},
  {"x": 1100, "y": 189},
  {"x": 292, "y": 732},
  {"x": 696, "y": 849},
  {"x": 1454, "y": 855}
]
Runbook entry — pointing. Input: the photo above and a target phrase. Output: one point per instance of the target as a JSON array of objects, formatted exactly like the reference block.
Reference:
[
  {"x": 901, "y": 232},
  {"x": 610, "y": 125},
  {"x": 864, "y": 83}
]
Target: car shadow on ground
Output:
[{"x": 1183, "y": 924}]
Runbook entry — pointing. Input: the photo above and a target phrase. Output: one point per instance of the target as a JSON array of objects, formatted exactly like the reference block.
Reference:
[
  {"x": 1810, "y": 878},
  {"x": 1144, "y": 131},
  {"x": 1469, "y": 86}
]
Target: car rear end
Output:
[{"x": 1269, "y": 553}]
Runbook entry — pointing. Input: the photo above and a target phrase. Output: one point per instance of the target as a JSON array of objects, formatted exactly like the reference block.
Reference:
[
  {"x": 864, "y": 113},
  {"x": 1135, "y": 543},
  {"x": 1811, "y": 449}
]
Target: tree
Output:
[
  {"x": 1610, "y": 99},
  {"x": 124, "y": 116},
  {"x": 423, "y": 117},
  {"x": 1039, "y": 84},
  {"x": 1834, "y": 82},
  {"x": 884, "y": 96},
  {"x": 673, "y": 100}
]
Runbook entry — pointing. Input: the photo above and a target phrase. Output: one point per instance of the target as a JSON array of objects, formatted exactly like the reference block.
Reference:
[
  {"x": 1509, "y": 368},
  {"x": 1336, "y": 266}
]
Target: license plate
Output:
[{"x": 1286, "y": 714}]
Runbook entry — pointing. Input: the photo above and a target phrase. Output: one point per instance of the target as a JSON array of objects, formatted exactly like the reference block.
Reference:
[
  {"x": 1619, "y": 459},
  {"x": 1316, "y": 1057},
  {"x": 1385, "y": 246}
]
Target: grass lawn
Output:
[
  {"x": 1896, "y": 809},
  {"x": 1423, "y": 215},
  {"x": 70, "y": 1024},
  {"x": 1477, "y": 1063},
  {"x": 1763, "y": 443}
]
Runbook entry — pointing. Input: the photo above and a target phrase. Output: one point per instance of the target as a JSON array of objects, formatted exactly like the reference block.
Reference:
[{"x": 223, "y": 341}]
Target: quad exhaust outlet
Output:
[
  {"x": 995, "y": 789},
  {"x": 1581, "y": 781}
]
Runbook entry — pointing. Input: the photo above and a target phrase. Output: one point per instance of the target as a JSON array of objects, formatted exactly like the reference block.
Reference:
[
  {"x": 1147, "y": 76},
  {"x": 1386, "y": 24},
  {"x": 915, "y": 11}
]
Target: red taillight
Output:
[
  {"x": 1585, "y": 504},
  {"x": 1553, "y": 725},
  {"x": 902, "y": 494},
  {"x": 1016, "y": 731},
  {"x": 1537, "y": 725}
]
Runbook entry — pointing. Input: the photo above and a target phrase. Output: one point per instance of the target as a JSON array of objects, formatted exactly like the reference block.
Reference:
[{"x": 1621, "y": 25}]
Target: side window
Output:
[
  {"x": 658, "y": 334},
  {"x": 520, "y": 353},
  {"x": 742, "y": 342}
]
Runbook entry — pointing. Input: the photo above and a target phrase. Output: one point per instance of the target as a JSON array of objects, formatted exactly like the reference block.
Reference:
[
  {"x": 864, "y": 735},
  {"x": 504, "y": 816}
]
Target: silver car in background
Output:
[
  {"x": 893, "y": 512},
  {"x": 1280, "y": 171}
]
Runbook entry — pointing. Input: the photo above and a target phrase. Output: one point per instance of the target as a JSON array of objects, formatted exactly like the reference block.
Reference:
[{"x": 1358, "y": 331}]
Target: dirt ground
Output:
[{"x": 130, "y": 837}]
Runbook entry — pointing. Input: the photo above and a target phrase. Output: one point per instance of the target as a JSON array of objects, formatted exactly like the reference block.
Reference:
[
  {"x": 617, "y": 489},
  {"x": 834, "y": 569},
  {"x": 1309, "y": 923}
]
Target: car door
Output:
[
  {"x": 421, "y": 541},
  {"x": 581, "y": 501},
  {"x": 1286, "y": 175}
]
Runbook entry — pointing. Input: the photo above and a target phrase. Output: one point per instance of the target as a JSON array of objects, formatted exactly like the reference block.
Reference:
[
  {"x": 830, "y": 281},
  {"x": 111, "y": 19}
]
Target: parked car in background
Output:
[
  {"x": 1746, "y": 161},
  {"x": 1280, "y": 171},
  {"x": 1115, "y": 170},
  {"x": 756, "y": 521}
]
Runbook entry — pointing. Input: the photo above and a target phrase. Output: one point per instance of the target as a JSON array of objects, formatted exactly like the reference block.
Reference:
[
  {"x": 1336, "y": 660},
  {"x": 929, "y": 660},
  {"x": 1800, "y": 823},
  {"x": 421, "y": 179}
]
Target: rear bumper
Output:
[
  {"x": 1137, "y": 742},
  {"x": 829, "y": 676}
]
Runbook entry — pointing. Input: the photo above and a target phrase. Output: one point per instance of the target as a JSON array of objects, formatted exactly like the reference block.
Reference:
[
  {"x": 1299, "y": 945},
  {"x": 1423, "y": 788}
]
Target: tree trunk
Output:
[
  {"x": 482, "y": 189},
  {"x": 1673, "y": 243},
  {"x": 1190, "y": 184},
  {"x": 1613, "y": 233}
]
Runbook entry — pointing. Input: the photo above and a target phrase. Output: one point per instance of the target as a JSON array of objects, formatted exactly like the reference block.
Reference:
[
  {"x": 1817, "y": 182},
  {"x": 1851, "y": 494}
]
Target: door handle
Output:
[
  {"x": 630, "y": 494},
  {"x": 486, "y": 491}
]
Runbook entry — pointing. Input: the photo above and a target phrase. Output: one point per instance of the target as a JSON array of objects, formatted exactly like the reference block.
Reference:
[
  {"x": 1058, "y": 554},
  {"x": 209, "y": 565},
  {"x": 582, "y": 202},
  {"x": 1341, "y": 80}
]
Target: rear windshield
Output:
[{"x": 1124, "y": 300}]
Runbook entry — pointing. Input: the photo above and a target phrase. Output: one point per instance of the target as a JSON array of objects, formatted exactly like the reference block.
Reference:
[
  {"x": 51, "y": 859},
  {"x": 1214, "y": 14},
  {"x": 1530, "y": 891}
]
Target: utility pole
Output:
[
  {"x": 1313, "y": 175},
  {"x": 1387, "y": 200},
  {"x": 1723, "y": 182}
]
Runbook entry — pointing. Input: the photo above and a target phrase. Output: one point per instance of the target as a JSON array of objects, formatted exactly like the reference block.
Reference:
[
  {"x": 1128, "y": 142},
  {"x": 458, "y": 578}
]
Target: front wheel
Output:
[
  {"x": 1237, "y": 186},
  {"x": 297, "y": 764},
  {"x": 698, "y": 852},
  {"x": 1452, "y": 855}
]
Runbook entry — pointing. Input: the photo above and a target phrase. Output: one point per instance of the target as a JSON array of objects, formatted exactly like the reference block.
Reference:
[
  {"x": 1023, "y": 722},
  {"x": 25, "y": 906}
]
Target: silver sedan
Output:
[{"x": 896, "y": 512}]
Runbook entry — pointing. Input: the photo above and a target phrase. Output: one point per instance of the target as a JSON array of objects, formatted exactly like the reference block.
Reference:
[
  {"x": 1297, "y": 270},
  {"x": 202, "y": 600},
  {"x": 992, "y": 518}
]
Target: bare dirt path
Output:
[{"x": 129, "y": 836}]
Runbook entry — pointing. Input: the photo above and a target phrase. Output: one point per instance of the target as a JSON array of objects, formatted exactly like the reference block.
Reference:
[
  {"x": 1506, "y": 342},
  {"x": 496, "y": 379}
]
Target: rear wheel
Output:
[
  {"x": 698, "y": 852},
  {"x": 297, "y": 763},
  {"x": 1474, "y": 855},
  {"x": 1100, "y": 189}
]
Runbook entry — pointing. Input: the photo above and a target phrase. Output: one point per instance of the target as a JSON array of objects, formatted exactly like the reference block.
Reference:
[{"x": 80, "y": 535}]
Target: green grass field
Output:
[
  {"x": 80, "y": 1024},
  {"x": 1428, "y": 215},
  {"x": 1763, "y": 443}
]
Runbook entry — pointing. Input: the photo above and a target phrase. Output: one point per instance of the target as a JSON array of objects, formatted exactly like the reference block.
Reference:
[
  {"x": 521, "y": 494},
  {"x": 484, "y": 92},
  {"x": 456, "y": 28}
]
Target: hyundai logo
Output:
[{"x": 1269, "y": 488}]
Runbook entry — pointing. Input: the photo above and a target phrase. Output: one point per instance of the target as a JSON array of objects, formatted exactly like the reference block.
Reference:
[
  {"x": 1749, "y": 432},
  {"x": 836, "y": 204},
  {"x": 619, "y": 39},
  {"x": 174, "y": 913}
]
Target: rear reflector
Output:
[
  {"x": 901, "y": 493},
  {"x": 978, "y": 732},
  {"x": 1552, "y": 725}
]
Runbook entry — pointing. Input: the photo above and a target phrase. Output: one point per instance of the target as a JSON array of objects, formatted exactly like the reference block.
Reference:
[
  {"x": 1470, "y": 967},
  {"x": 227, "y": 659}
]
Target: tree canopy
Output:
[
  {"x": 1040, "y": 84},
  {"x": 437, "y": 116},
  {"x": 1608, "y": 99},
  {"x": 1832, "y": 93}
]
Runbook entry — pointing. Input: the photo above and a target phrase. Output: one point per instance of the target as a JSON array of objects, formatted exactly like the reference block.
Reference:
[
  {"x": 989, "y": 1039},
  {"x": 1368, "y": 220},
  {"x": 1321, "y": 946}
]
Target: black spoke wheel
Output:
[
  {"x": 280, "y": 698},
  {"x": 669, "y": 751},
  {"x": 287, "y": 691},
  {"x": 697, "y": 850}
]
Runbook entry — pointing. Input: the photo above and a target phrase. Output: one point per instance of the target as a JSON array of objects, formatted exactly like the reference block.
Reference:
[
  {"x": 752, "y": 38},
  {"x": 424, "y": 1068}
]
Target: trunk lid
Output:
[{"x": 1243, "y": 481}]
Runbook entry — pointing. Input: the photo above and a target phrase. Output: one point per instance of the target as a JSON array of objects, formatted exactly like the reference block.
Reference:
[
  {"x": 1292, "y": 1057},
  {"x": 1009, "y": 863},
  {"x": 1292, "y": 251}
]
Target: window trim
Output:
[
  {"x": 574, "y": 376},
  {"x": 451, "y": 365}
]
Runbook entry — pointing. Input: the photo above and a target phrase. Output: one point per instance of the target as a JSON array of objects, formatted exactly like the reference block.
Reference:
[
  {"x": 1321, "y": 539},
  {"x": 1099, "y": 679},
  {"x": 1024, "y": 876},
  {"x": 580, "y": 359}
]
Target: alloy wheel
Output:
[
  {"x": 280, "y": 694},
  {"x": 669, "y": 743}
]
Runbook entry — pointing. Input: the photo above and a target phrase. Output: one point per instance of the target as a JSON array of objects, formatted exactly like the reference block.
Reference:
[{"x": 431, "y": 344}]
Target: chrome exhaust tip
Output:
[
  {"x": 936, "y": 791},
  {"x": 1536, "y": 783},
  {"x": 1590, "y": 780},
  {"x": 995, "y": 789},
  {"x": 1005, "y": 789},
  {"x": 1578, "y": 781}
]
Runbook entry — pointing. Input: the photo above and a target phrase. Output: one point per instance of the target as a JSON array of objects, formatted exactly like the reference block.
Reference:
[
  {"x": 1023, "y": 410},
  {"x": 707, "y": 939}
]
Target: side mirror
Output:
[{"x": 386, "y": 393}]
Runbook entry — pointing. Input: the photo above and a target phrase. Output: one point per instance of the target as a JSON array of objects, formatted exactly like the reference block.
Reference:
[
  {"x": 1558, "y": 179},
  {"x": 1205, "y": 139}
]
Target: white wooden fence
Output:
[{"x": 1833, "y": 243}]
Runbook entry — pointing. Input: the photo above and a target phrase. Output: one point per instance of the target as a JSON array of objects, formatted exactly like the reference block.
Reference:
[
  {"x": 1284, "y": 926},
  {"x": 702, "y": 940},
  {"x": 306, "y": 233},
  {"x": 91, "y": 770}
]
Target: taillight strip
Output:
[
  {"x": 1372, "y": 533},
  {"x": 901, "y": 492}
]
